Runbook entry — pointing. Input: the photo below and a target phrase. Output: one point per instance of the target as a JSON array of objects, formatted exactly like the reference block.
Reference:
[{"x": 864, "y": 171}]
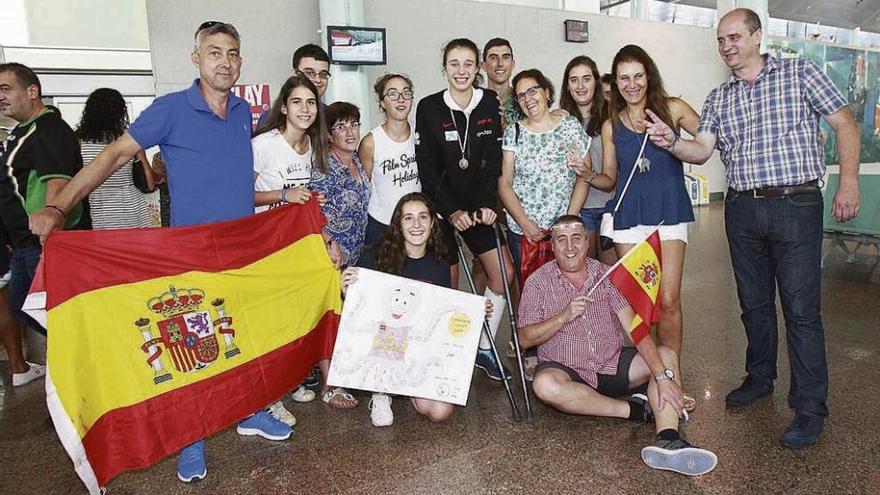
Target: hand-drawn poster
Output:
[{"x": 405, "y": 337}]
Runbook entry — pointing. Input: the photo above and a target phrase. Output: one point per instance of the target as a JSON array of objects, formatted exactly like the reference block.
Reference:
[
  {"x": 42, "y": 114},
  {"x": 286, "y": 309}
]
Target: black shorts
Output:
[
  {"x": 609, "y": 385},
  {"x": 480, "y": 239}
]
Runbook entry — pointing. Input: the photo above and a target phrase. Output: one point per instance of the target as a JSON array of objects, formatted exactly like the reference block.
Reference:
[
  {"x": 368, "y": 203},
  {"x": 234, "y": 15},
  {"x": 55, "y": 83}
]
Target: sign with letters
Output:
[{"x": 258, "y": 97}]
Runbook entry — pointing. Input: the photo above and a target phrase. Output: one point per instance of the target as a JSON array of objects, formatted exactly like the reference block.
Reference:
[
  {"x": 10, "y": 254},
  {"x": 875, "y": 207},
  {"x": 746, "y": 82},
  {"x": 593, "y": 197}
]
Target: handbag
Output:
[
  {"x": 534, "y": 255},
  {"x": 606, "y": 227}
]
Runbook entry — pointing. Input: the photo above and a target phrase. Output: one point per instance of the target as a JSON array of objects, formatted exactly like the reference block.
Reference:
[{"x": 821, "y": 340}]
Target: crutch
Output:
[
  {"x": 504, "y": 378},
  {"x": 519, "y": 360}
]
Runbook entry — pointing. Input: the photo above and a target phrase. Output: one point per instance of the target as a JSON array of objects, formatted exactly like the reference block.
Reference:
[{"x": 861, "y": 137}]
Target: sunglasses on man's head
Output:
[{"x": 207, "y": 24}]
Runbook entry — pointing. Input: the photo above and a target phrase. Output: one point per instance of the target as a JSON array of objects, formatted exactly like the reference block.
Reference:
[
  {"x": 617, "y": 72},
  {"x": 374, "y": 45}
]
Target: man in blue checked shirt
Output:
[{"x": 765, "y": 122}]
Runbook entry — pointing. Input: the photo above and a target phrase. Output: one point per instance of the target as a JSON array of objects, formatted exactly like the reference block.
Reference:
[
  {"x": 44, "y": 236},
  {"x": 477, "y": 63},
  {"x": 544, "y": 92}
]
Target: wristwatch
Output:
[{"x": 666, "y": 374}]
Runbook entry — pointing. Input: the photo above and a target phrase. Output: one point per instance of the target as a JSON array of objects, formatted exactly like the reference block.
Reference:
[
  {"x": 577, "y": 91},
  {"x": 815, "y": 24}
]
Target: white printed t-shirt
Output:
[{"x": 278, "y": 165}]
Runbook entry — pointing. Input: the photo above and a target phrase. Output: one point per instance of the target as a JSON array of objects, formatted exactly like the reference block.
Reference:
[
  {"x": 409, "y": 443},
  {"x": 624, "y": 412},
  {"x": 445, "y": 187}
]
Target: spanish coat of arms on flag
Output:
[{"x": 160, "y": 337}]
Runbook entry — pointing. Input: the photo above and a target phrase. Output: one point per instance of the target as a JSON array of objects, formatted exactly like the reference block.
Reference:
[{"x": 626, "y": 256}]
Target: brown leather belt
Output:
[{"x": 775, "y": 192}]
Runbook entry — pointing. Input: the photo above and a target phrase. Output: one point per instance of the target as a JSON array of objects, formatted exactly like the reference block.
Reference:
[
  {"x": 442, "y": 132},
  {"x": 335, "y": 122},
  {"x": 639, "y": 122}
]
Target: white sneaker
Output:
[
  {"x": 303, "y": 394},
  {"x": 279, "y": 412},
  {"x": 36, "y": 371},
  {"x": 380, "y": 410}
]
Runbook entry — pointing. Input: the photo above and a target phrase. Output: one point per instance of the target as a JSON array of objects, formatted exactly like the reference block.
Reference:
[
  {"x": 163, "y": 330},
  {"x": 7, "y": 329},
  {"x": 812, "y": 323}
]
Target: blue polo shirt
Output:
[{"x": 209, "y": 160}]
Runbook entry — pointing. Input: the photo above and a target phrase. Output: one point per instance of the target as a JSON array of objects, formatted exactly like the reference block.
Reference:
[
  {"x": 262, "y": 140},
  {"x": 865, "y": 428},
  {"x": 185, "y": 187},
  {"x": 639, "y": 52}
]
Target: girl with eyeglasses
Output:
[
  {"x": 388, "y": 154},
  {"x": 459, "y": 159},
  {"x": 536, "y": 184}
]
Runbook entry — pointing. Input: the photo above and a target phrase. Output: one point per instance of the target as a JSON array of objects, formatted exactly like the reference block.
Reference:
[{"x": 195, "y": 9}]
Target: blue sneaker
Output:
[
  {"x": 264, "y": 425},
  {"x": 486, "y": 362},
  {"x": 191, "y": 462}
]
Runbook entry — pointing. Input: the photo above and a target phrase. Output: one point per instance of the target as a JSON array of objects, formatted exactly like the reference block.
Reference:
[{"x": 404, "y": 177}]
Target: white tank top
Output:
[{"x": 394, "y": 173}]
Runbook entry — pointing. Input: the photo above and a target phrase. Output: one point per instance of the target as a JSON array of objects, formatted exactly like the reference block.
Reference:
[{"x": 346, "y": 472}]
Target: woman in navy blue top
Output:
[{"x": 656, "y": 194}]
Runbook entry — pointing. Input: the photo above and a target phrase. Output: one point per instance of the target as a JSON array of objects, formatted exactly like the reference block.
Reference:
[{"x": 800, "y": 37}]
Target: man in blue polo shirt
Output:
[{"x": 204, "y": 134}]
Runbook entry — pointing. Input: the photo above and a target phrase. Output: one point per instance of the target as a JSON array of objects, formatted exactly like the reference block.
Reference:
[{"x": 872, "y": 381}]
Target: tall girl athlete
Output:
[
  {"x": 458, "y": 150},
  {"x": 656, "y": 193}
]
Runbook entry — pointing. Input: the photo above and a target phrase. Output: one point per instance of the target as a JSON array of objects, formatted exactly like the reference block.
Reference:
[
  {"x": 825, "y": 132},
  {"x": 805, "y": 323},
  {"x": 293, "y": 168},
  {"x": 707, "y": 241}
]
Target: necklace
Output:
[
  {"x": 643, "y": 164},
  {"x": 463, "y": 163}
]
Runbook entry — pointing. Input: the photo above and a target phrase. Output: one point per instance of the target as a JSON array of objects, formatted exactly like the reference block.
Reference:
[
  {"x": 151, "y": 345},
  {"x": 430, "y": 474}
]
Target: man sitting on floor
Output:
[{"x": 585, "y": 366}]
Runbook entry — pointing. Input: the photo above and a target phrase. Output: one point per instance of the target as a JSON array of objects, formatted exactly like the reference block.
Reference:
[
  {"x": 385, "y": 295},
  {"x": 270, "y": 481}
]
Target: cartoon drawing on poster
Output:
[{"x": 405, "y": 337}]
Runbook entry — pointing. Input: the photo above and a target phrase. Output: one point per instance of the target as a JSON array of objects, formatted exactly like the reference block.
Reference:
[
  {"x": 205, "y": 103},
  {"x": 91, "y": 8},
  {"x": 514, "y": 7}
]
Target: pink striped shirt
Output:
[{"x": 590, "y": 345}]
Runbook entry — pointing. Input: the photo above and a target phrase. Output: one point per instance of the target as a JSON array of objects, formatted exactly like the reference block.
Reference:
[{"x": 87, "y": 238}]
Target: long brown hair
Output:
[
  {"x": 599, "y": 108},
  {"x": 392, "y": 245},
  {"x": 656, "y": 98},
  {"x": 317, "y": 132}
]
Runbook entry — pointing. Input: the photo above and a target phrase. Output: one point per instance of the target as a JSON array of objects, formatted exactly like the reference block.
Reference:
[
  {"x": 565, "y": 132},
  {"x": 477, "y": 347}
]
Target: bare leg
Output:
[
  {"x": 453, "y": 276},
  {"x": 607, "y": 256},
  {"x": 489, "y": 260},
  {"x": 436, "y": 411},
  {"x": 665, "y": 418},
  {"x": 622, "y": 249},
  {"x": 10, "y": 336},
  {"x": 479, "y": 274},
  {"x": 670, "y": 326},
  {"x": 557, "y": 389}
]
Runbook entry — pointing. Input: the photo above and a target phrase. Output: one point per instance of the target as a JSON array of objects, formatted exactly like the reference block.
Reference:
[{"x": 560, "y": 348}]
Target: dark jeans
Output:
[
  {"x": 23, "y": 265},
  {"x": 777, "y": 243}
]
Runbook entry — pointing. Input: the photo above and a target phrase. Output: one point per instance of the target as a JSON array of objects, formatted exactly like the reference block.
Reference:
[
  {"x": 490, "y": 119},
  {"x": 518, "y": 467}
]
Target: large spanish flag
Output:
[
  {"x": 161, "y": 337},
  {"x": 637, "y": 277}
]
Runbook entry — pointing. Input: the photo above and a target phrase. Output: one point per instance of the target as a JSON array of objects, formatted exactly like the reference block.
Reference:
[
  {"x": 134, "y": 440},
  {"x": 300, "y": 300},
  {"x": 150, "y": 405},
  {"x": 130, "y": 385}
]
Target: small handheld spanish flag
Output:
[
  {"x": 637, "y": 277},
  {"x": 160, "y": 337}
]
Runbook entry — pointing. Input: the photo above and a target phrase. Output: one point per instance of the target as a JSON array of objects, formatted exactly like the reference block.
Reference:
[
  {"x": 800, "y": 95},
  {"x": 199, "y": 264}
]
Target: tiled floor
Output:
[{"x": 481, "y": 451}]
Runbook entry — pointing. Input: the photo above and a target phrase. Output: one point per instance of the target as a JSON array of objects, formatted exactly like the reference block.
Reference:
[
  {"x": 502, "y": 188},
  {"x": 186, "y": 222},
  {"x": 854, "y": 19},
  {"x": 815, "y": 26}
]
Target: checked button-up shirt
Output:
[
  {"x": 591, "y": 344},
  {"x": 768, "y": 134}
]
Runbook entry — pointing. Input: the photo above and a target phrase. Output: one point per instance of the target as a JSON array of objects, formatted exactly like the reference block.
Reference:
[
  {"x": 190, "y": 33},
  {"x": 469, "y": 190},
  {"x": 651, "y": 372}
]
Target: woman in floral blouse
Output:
[
  {"x": 536, "y": 184},
  {"x": 344, "y": 183}
]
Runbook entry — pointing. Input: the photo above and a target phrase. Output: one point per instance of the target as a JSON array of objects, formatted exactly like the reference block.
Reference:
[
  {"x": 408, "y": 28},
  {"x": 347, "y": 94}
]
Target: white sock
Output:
[{"x": 499, "y": 306}]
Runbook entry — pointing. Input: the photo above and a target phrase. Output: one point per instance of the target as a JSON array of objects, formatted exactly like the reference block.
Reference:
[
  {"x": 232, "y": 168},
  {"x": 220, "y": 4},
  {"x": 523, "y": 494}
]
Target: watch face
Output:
[{"x": 669, "y": 373}]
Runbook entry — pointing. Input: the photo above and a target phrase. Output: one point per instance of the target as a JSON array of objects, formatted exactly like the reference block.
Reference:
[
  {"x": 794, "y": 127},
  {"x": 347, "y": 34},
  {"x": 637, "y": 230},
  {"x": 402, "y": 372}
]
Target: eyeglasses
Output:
[
  {"x": 342, "y": 127},
  {"x": 395, "y": 95},
  {"x": 531, "y": 92},
  {"x": 311, "y": 74}
]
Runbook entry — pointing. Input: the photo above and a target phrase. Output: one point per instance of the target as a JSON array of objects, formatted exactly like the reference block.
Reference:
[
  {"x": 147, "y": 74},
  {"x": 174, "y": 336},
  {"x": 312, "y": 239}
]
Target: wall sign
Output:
[{"x": 576, "y": 31}]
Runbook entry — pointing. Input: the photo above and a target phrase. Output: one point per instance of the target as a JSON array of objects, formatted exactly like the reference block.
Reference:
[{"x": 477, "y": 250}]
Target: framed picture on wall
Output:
[{"x": 351, "y": 45}]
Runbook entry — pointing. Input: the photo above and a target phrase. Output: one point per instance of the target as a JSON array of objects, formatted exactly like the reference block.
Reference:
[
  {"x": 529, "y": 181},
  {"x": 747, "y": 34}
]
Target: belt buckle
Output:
[{"x": 757, "y": 195}]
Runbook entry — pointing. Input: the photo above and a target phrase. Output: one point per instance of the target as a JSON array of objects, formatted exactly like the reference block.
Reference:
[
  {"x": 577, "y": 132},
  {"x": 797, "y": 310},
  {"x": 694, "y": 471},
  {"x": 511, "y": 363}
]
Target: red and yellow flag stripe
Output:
[
  {"x": 637, "y": 276},
  {"x": 257, "y": 299}
]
